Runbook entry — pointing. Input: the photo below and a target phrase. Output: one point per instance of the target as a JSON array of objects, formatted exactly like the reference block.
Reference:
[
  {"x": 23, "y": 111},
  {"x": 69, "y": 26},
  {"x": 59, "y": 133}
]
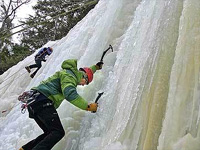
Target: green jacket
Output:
[{"x": 62, "y": 85}]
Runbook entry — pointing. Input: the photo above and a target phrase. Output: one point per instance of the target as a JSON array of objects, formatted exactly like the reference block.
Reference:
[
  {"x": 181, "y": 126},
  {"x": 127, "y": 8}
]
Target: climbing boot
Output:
[
  {"x": 32, "y": 75},
  {"x": 28, "y": 69}
]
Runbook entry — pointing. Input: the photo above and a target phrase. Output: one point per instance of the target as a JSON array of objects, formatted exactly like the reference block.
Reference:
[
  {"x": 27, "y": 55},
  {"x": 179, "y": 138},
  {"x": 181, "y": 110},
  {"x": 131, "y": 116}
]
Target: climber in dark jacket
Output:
[
  {"x": 50, "y": 94},
  {"x": 39, "y": 57}
]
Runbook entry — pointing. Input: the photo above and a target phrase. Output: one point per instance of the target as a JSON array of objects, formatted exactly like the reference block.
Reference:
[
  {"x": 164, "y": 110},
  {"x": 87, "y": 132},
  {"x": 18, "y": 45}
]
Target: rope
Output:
[
  {"x": 11, "y": 76},
  {"x": 7, "y": 30},
  {"x": 87, "y": 4},
  {"x": 62, "y": 14},
  {"x": 40, "y": 23},
  {"x": 17, "y": 72},
  {"x": 16, "y": 104}
]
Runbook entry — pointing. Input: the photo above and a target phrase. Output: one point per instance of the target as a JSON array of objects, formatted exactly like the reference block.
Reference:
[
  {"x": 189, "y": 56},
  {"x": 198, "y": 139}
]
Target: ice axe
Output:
[
  {"x": 98, "y": 97},
  {"x": 104, "y": 52}
]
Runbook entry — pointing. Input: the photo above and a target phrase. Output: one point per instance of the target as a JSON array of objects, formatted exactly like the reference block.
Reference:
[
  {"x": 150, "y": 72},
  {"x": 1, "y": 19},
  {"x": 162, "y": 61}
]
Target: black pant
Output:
[
  {"x": 38, "y": 65},
  {"x": 48, "y": 120}
]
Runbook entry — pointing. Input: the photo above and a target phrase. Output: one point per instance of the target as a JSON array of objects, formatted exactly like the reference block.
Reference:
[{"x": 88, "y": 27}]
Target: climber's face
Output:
[{"x": 83, "y": 82}]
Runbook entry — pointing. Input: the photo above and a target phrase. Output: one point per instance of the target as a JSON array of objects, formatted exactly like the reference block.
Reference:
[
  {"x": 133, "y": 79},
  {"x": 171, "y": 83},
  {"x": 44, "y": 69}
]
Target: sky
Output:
[{"x": 22, "y": 13}]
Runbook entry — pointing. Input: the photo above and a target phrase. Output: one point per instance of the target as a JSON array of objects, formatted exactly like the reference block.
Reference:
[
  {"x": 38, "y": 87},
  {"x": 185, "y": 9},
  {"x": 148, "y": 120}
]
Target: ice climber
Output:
[
  {"x": 48, "y": 96},
  {"x": 39, "y": 57}
]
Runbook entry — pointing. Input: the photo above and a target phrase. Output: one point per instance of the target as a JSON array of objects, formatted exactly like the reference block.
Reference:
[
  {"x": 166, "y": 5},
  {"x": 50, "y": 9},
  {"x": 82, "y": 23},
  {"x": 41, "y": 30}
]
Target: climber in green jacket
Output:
[{"x": 48, "y": 96}]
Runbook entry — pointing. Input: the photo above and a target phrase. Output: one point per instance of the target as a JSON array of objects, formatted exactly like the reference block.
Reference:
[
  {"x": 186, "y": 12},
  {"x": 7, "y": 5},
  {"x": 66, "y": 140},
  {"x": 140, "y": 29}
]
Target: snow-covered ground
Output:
[{"x": 150, "y": 82}]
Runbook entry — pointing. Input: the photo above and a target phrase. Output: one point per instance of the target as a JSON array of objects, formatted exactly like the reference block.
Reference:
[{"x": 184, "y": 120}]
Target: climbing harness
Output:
[{"x": 27, "y": 98}]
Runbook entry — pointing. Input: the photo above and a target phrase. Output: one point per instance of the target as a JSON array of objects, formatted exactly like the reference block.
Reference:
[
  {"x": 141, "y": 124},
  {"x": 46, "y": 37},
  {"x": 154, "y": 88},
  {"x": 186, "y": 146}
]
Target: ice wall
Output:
[
  {"x": 150, "y": 81},
  {"x": 181, "y": 125}
]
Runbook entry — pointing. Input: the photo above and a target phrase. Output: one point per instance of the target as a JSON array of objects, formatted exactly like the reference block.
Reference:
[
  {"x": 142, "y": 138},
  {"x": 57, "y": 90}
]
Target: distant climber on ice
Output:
[
  {"x": 48, "y": 96},
  {"x": 39, "y": 57}
]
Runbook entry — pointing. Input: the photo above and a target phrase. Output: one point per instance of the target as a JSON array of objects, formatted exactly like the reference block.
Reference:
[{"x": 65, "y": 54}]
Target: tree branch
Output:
[{"x": 54, "y": 17}]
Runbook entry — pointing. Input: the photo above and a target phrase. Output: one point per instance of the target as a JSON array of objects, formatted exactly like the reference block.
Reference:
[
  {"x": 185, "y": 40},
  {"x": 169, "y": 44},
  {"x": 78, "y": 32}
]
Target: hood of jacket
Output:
[{"x": 71, "y": 64}]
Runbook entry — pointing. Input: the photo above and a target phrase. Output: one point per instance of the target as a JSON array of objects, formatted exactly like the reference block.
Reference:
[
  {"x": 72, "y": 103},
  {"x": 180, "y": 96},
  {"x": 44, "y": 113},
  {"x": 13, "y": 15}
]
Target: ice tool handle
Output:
[
  {"x": 110, "y": 47},
  {"x": 98, "y": 97}
]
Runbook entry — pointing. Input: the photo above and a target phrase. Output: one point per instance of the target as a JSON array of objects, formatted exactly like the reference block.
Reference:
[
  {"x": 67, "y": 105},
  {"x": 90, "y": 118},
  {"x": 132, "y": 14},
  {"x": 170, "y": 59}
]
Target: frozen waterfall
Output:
[{"x": 151, "y": 82}]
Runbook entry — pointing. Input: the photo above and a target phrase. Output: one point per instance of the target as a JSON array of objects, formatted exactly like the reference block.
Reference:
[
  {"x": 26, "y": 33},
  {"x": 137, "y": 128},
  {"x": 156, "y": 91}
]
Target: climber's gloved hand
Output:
[
  {"x": 92, "y": 107},
  {"x": 99, "y": 65}
]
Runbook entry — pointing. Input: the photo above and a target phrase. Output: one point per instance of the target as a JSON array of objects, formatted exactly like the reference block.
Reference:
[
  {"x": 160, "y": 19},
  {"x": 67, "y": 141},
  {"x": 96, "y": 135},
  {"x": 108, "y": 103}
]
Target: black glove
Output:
[{"x": 99, "y": 65}]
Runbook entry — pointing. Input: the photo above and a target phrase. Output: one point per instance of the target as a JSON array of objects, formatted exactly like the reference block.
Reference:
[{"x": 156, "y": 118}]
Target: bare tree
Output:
[{"x": 8, "y": 11}]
